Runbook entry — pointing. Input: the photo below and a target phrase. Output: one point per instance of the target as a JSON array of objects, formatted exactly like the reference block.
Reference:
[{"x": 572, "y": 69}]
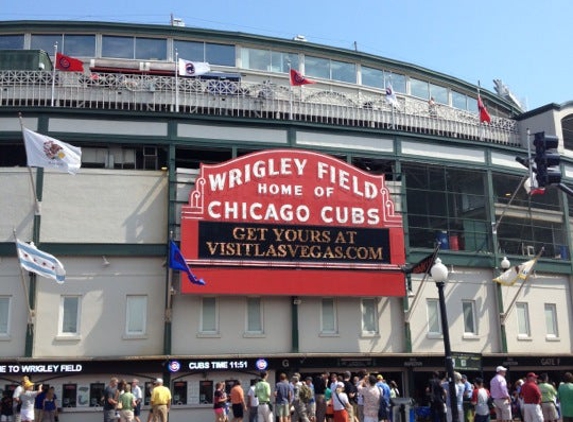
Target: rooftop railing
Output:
[{"x": 148, "y": 93}]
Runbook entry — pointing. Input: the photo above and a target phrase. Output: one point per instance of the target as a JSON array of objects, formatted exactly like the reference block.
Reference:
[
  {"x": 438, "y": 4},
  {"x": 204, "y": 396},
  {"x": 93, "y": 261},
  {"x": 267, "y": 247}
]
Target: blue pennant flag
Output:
[{"x": 177, "y": 262}]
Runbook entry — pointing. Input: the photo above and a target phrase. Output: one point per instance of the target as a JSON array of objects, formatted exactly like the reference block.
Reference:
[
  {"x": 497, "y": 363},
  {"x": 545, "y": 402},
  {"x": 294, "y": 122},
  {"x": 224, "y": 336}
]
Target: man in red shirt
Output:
[{"x": 531, "y": 399}]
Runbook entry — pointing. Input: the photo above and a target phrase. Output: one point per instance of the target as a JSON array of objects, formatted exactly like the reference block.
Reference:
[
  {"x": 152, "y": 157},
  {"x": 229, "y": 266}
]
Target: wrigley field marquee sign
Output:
[{"x": 292, "y": 222}]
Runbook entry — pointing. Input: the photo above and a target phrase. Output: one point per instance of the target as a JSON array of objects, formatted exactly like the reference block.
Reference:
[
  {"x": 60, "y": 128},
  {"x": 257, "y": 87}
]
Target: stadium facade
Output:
[{"x": 297, "y": 205}]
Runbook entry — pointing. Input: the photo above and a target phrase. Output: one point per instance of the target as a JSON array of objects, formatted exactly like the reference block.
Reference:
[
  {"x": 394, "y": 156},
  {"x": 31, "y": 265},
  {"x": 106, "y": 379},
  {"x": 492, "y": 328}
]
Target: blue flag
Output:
[{"x": 177, "y": 262}]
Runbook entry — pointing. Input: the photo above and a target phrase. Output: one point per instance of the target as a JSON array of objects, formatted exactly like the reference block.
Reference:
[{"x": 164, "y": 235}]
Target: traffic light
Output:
[{"x": 547, "y": 159}]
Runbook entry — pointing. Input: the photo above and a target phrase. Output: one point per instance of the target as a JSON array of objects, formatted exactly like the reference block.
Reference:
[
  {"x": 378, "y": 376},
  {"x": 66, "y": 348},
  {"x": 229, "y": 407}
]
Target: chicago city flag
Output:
[
  {"x": 43, "y": 151},
  {"x": 34, "y": 260}
]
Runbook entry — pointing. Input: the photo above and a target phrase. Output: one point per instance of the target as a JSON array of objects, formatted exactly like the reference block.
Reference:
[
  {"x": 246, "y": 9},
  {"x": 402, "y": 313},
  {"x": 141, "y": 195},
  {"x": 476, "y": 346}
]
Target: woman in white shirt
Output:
[
  {"x": 340, "y": 403},
  {"x": 27, "y": 398}
]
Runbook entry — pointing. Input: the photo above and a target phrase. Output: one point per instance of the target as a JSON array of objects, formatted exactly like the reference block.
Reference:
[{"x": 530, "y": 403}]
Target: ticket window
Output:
[
  {"x": 147, "y": 393},
  {"x": 206, "y": 392},
  {"x": 69, "y": 395},
  {"x": 180, "y": 392},
  {"x": 96, "y": 394}
]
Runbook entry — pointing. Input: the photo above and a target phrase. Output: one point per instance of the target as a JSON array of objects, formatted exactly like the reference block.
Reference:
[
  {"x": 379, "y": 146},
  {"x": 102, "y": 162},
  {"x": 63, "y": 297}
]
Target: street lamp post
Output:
[{"x": 439, "y": 273}]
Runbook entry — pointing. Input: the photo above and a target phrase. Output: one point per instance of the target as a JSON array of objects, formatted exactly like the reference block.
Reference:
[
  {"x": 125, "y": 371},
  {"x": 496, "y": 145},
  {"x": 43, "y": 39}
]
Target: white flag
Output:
[
  {"x": 391, "y": 96},
  {"x": 34, "y": 260},
  {"x": 188, "y": 68},
  {"x": 514, "y": 274},
  {"x": 43, "y": 151}
]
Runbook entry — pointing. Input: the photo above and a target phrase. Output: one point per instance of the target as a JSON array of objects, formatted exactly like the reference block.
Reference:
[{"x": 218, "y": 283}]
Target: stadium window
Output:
[
  {"x": 209, "y": 319},
  {"x": 255, "y": 59},
  {"x": 136, "y": 315},
  {"x": 11, "y": 42},
  {"x": 459, "y": 100},
  {"x": 317, "y": 67},
  {"x": 220, "y": 54},
  {"x": 419, "y": 88},
  {"x": 397, "y": 80},
  {"x": 79, "y": 45},
  {"x": 150, "y": 49},
  {"x": 117, "y": 47},
  {"x": 254, "y": 316},
  {"x": 434, "y": 317},
  {"x": 523, "y": 327},
  {"x": 372, "y": 77},
  {"x": 369, "y": 316},
  {"x": 343, "y": 71},
  {"x": 190, "y": 50},
  {"x": 440, "y": 94},
  {"x": 46, "y": 42},
  {"x": 328, "y": 316},
  {"x": 5, "y": 305},
  {"x": 552, "y": 330},
  {"x": 468, "y": 310},
  {"x": 69, "y": 323}
]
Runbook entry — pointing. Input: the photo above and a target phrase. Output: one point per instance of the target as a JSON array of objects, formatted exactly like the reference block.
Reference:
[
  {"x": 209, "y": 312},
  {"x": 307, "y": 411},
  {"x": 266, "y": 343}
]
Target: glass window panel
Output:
[
  {"x": 459, "y": 100},
  {"x": 317, "y": 67},
  {"x": 468, "y": 309},
  {"x": 70, "y": 315},
  {"x": 79, "y": 45},
  {"x": 328, "y": 316},
  {"x": 551, "y": 320},
  {"x": 283, "y": 62},
  {"x": 522, "y": 312},
  {"x": 46, "y": 42},
  {"x": 190, "y": 50},
  {"x": 254, "y": 315},
  {"x": 220, "y": 54},
  {"x": 256, "y": 59},
  {"x": 369, "y": 316},
  {"x": 434, "y": 319},
  {"x": 373, "y": 77},
  {"x": 209, "y": 315},
  {"x": 397, "y": 80},
  {"x": 4, "y": 315},
  {"x": 343, "y": 71},
  {"x": 117, "y": 47},
  {"x": 439, "y": 93},
  {"x": 11, "y": 42},
  {"x": 419, "y": 88},
  {"x": 150, "y": 49},
  {"x": 136, "y": 315},
  {"x": 472, "y": 104}
]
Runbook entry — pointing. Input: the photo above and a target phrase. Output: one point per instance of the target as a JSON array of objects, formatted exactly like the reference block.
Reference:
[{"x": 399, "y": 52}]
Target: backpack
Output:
[
  {"x": 383, "y": 408},
  {"x": 305, "y": 393}
]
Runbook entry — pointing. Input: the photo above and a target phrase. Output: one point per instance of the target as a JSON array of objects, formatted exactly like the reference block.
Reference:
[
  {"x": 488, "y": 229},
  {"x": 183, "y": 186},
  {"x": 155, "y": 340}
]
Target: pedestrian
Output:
[
  {"x": 320, "y": 385},
  {"x": 28, "y": 398},
  {"x": 263, "y": 392},
  {"x": 565, "y": 396},
  {"x": 548, "y": 399},
  {"x": 283, "y": 398},
  {"x": 6, "y": 408},
  {"x": 500, "y": 395},
  {"x": 161, "y": 400},
  {"x": 479, "y": 400},
  {"x": 531, "y": 399},
  {"x": 340, "y": 403},
  {"x": 49, "y": 406},
  {"x": 126, "y": 404},
  {"x": 468, "y": 390},
  {"x": 138, "y": 394},
  {"x": 437, "y": 397},
  {"x": 370, "y": 398},
  {"x": 253, "y": 402},
  {"x": 238, "y": 404},
  {"x": 110, "y": 400},
  {"x": 16, "y": 403}
]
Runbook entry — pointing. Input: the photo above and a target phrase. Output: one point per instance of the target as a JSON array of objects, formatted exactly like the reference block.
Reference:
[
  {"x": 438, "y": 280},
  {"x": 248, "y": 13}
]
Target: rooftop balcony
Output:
[{"x": 311, "y": 103}]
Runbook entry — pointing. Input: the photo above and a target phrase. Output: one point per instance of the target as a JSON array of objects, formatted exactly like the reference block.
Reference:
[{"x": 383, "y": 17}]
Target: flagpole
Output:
[
  {"x": 176, "y": 81},
  {"x": 418, "y": 290},
  {"x": 54, "y": 72},
  {"x": 37, "y": 210},
  {"x": 498, "y": 222},
  {"x": 24, "y": 287}
]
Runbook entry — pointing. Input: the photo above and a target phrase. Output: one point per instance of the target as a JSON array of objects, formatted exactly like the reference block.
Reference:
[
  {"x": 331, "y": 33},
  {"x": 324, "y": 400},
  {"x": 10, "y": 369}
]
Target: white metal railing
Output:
[{"x": 360, "y": 108}]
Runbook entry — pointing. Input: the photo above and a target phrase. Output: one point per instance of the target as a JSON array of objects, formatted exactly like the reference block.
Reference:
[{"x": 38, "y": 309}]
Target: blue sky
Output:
[{"x": 525, "y": 43}]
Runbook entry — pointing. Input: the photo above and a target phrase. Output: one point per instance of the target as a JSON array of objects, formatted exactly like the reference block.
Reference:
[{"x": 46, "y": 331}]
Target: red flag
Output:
[
  {"x": 483, "y": 114},
  {"x": 68, "y": 64},
  {"x": 296, "y": 79}
]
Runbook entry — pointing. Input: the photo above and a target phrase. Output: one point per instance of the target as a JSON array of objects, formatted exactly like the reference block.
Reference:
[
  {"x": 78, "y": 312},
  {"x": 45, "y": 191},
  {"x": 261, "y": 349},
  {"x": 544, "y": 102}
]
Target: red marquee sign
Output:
[{"x": 292, "y": 222}]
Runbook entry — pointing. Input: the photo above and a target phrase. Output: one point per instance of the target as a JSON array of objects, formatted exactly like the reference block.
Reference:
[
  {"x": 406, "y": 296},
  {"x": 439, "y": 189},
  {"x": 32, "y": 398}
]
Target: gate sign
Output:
[{"x": 292, "y": 222}]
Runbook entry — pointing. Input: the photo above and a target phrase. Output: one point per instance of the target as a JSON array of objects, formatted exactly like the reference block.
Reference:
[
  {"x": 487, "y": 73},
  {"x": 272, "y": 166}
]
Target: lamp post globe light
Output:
[
  {"x": 439, "y": 273},
  {"x": 505, "y": 264}
]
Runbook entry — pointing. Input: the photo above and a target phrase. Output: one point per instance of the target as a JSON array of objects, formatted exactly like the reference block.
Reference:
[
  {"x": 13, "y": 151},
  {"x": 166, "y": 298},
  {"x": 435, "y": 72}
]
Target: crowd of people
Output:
[
  {"x": 328, "y": 398},
  {"x": 530, "y": 399},
  {"x": 29, "y": 403}
]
